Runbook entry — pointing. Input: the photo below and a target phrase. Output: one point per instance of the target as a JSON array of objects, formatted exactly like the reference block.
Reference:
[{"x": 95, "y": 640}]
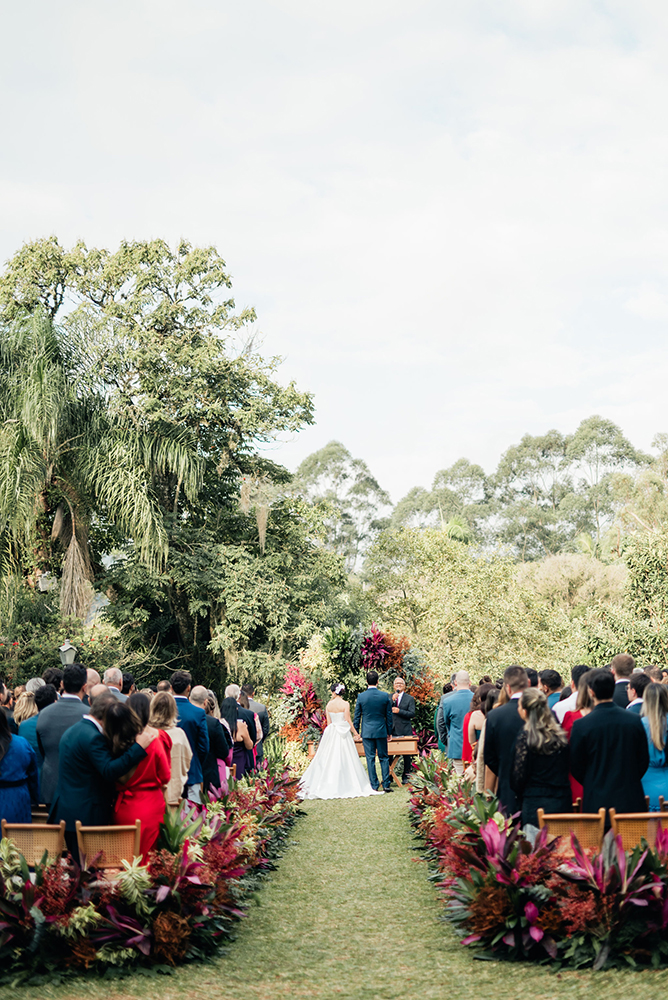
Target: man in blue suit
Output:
[
  {"x": 192, "y": 720},
  {"x": 455, "y": 708},
  {"x": 374, "y": 711}
]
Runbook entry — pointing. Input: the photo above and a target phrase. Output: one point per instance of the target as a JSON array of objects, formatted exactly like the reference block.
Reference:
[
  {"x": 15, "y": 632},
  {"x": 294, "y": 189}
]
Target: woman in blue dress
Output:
[
  {"x": 19, "y": 780},
  {"x": 654, "y": 713}
]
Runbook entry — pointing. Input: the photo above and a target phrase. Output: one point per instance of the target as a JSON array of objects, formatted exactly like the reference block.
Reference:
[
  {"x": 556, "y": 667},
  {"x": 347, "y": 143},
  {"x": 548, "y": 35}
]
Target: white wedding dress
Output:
[{"x": 336, "y": 771}]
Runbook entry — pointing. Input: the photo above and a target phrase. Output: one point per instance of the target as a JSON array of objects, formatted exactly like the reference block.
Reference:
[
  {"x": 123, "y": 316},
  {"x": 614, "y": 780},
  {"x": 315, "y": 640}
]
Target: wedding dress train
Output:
[{"x": 336, "y": 771}]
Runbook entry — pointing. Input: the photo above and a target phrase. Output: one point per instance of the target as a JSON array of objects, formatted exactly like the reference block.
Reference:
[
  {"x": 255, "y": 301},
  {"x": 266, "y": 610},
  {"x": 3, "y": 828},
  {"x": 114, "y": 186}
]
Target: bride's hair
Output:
[{"x": 338, "y": 688}]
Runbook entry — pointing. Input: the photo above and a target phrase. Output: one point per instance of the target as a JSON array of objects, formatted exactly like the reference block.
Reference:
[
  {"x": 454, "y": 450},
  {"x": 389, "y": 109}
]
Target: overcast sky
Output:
[{"x": 450, "y": 216}]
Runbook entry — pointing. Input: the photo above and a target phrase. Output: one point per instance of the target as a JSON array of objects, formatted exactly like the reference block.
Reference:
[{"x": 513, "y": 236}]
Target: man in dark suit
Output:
[
  {"x": 609, "y": 752},
  {"x": 192, "y": 720},
  {"x": 220, "y": 740},
  {"x": 87, "y": 773},
  {"x": 374, "y": 710},
  {"x": 501, "y": 729},
  {"x": 263, "y": 715},
  {"x": 54, "y": 721},
  {"x": 622, "y": 667},
  {"x": 403, "y": 712}
]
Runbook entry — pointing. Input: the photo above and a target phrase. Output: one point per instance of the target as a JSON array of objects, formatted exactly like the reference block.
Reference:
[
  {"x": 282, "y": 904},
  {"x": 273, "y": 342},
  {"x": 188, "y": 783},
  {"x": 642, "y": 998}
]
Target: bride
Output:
[{"x": 336, "y": 771}]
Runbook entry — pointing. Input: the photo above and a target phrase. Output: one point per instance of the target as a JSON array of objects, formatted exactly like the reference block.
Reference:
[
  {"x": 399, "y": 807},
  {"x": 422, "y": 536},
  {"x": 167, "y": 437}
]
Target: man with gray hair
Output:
[
  {"x": 455, "y": 709},
  {"x": 113, "y": 678},
  {"x": 220, "y": 741}
]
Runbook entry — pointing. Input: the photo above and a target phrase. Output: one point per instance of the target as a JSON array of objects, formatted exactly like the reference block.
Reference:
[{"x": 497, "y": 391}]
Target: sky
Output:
[{"x": 450, "y": 216}]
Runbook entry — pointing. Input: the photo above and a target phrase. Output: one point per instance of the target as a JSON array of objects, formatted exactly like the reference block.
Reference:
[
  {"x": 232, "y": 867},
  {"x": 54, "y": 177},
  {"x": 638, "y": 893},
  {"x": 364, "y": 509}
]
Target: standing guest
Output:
[
  {"x": 164, "y": 686},
  {"x": 220, "y": 741},
  {"x": 403, "y": 712},
  {"x": 192, "y": 720},
  {"x": 241, "y": 738},
  {"x": 149, "y": 692},
  {"x": 569, "y": 704},
  {"x": 583, "y": 707},
  {"x": 533, "y": 677},
  {"x": 550, "y": 684},
  {"x": 164, "y": 715},
  {"x": 141, "y": 793},
  {"x": 45, "y": 695},
  {"x": 129, "y": 686},
  {"x": 19, "y": 779},
  {"x": 439, "y": 730},
  {"x": 245, "y": 704},
  {"x": 486, "y": 707},
  {"x": 33, "y": 684},
  {"x": 477, "y": 716},
  {"x": 609, "y": 752},
  {"x": 539, "y": 776},
  {"x": 664, "y": 675},
  {"x": 455, "y": 709},
  {"x": 501, "y": 730},
  {"x": 638, "y": 682},
  {"x": 55, "y": 720},
  {"x": 18, "y": 691},
  {"x": 85, "y": 789},
  {"x": 654, "y": 674},
  {"x": 53, "y": 675},
  {"x": 7, "y": 706},
  {"x": 113, "y": 679},
  {"x": 92, "y": 680},
  {"x": 261, "y": 711},
  {"x": 233, "y": 691},
  {"x": 25, "y": 708},
  {"x": 622, "y": 667},
  {"x": 654, "y": 714}
]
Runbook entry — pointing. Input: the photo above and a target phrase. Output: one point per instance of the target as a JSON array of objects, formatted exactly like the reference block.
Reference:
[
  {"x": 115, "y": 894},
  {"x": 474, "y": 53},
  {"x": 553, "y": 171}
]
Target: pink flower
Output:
[{"x": 531, "y": 912}]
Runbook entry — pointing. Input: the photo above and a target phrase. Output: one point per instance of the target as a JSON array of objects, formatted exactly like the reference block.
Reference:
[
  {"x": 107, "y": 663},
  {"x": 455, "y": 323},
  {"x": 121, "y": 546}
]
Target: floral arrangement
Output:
[
  {"x": 514, "y": 897},
  {"x": 176, "y": 905}
]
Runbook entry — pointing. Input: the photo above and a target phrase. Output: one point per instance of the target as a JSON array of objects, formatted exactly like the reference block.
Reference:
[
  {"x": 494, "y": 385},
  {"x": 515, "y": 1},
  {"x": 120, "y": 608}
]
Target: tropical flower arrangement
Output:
[
  {"x": 177, "y": 905},
  {"x": 511, "y": 896}
]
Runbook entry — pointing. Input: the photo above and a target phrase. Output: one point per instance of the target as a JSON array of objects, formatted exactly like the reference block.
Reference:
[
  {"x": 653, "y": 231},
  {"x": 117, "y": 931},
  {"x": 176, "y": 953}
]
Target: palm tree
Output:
[{"x": 62, "y": 449}]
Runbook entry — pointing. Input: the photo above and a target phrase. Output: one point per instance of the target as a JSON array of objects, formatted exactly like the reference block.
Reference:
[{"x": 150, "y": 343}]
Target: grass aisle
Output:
[{"x": 351, "y": 915}]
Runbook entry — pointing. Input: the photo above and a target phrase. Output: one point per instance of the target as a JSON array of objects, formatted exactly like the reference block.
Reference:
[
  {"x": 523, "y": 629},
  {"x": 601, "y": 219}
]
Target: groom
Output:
[{"x": 374, "y": 709}]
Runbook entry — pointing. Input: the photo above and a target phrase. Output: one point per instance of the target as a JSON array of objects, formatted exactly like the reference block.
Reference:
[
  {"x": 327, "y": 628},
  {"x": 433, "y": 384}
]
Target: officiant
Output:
[{"x": 403, "y": 710}]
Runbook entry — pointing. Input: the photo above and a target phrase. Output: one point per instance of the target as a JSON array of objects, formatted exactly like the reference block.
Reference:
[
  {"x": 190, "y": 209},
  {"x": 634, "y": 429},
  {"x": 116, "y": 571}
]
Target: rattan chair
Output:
[
  {"x": 39, "y": 814},
  {"x": 108, "y": 846},
  {"x": 32, "y": 839},
  {"x": 587, "y": 827},
  {"x": 634, "y": 827}
]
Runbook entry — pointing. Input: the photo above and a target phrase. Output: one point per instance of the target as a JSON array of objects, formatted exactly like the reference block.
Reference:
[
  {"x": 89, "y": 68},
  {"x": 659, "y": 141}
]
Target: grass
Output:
[{"x": 351, "y": 915}]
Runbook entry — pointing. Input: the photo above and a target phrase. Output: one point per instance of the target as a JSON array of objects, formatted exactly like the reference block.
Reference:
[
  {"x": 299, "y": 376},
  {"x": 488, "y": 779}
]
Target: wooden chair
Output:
[
  {"x": 633, "y": 827},
  {"x": 587, "y": 827},
  {"x": 32, "y": 839},
  {"x": 577, "y": 805},
  {"x": 233, "y": 771},
  {"x": 113, "y": 844},
  {"x": 39, "y": 814}
]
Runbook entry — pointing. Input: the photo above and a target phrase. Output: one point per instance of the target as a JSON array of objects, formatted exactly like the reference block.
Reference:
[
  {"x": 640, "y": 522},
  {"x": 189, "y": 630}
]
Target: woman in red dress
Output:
[{"x": 141, "y": 793}]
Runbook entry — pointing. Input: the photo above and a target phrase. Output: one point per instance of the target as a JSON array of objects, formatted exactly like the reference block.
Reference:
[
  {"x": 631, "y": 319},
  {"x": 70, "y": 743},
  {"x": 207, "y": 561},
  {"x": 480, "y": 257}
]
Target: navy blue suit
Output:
[
  {"x": 374, "y": 710},
  {"x": 192, "y": 720}
]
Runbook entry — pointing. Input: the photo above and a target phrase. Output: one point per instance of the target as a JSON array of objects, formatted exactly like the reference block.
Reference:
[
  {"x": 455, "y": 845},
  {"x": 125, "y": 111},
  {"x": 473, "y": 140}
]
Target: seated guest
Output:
[
  {"x": 164, "y": 715},
  {"x": 622, "y": 667},
  {"x": 654, "y": 713},
  {"x": 539, "y": 776},
  {"x": 609, "y": 753},
  {"x": 241, "y": 738},
  {"x": 85, "y": 789},
  {"x": 141, "y": 791},
  {"x": 638, "y": 682},
  {"x": 583, "y": 707},
  {"x": 501, "y": 730},
  {"x": 55, "y": 720},
  {"x": 44, "y": 695},
  {"x": 550, "y": 684},
  {"x": 220, "y": 742},
  {"x": 19, "y": 779}
]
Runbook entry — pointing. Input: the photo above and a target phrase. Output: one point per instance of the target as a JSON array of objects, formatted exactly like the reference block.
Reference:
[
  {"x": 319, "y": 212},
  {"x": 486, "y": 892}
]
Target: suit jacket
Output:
[
  {"x": 501, "y": 729},
  {"x": 609, "y": 756},
  {"x": 192, "y": 720},
  {"x": 52, "y": 722},
  {"x": 374, "y": 709},
  {"x": 441, "y": 729},
  {"x": 621, "y": 695},
  {"x": 455, "y": 709},
  {"x": 262, "y": 714},
  {"x": 118, "y": 695},
  {"x": 86, "y": 777},
  {"x": 248, "y": 717},
  {"x": 220, "y": 744},
  {"x": 401, "y": 721}
]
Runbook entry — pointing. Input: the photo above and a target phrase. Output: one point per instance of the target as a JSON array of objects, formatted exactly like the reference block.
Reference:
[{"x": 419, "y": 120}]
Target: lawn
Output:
[{"x": 351, "y": 915}]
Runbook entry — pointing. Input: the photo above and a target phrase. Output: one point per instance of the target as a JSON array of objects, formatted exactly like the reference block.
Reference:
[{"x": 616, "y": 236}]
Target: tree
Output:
[{"x": 459, "y": 496}]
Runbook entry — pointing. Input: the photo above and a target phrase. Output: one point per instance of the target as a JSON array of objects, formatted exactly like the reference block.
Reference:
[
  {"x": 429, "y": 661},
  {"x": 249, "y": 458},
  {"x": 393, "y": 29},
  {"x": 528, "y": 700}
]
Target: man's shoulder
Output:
[{"x": 82, "y": 731}]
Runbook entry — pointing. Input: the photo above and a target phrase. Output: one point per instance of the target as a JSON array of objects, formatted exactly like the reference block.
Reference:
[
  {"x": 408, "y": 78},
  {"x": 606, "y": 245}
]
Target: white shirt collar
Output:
[
  {"x": 518, "y": 694},
  {"x": 636, "y": 701},
  {"x": 65, "y": 695},
  {"x": 95, "y": 722}
]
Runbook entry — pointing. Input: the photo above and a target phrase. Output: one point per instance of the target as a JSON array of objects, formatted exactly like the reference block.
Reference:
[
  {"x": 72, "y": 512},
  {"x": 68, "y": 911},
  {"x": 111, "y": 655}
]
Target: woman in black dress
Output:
[{"x": 540, "y": 768}]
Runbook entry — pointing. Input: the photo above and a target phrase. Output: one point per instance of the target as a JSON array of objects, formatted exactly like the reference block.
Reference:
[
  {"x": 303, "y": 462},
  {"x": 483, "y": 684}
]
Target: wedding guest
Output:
[
  {"x": 53, "y": 675},
  {"x": 539, "y": 776},
  {"x": 245, "y": 704},
  {"x": 113, "y": 679},
  {"x": 25, "y": 708},
  {"x": 477, "y": 716},
  {"x": 220, "y": 742},
  {"x": 654, "y": 715},
  {"x": 622, "y": 667},
  {"x": 129, "y": 686},
  {"x": 439, "y": 730},
  {"x": 164, "y": 715},
  {"x": 569, "y": 704},
  {"x": 241, "y": 738},
  {"x": 54, "y": 721},
  {"x": 654, "y": 674},
  {"x": 141, "y": 791},
  {"x": 33, "y": 684},
  {"x": 533, "y": 677},
  {"x": 261, "y": 711},
  {"x": 455, "y": 709},
  {"x": 486, "y": 707},
  {"x": 92, "y": 680},
  {"x": 609, "y": 753},
  {"x": 164, "y": 686},
  {"x": 19, "y": 779},
  {"x": 550, "y": 684},
  {"x": 583, "y": 707},
  {"x": 233, "y": 691},
  {"x": 503, "y": 725},
  {"x": 192, "y": 721},
  {"x": 403, "y": 711},
  {"x": 44, "y": 695},
  {"x": 638, "y": 683}
]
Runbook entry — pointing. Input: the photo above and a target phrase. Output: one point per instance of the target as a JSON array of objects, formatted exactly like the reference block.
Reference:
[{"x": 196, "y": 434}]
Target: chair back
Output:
[
  {"x": 32, "y": 839},
  {"x": 634, "y": 827},
  {"x": 113, "y": 844},
  {"x": 587, "y": 827}
]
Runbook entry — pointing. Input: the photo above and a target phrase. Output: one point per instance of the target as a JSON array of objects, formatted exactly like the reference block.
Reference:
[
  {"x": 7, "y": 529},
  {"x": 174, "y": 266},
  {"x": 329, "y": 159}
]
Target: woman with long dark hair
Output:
[
  {"x": 539, "y": 776},
  {"x": 141, "y": 792},
  {"x": 19, "y": 779},
  {"x": 241, "y": 738}
]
